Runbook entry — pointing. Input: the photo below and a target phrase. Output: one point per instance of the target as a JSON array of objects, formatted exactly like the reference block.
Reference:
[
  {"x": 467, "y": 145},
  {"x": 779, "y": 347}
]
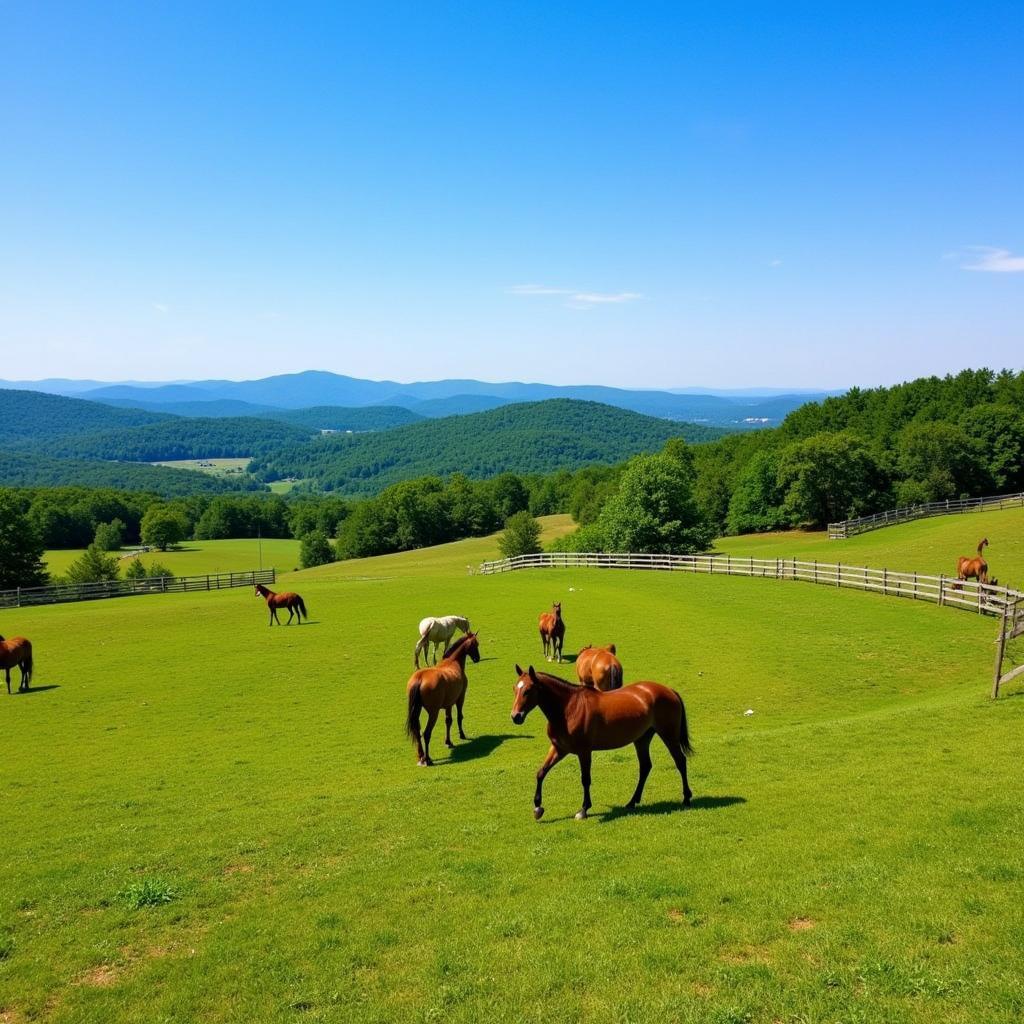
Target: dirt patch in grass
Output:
[
  {"x": 100, "y": 977},
  {"x": 802, "y": 924}
]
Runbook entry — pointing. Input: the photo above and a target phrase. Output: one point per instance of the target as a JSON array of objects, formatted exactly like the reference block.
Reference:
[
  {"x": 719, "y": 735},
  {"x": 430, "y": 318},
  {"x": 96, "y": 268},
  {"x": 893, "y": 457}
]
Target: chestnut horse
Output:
[
  {"x": 16, "y": 652},
  {"x": 442, "y": 686},
  {"x": 598, "y": 666},
  {"x": 552, "y": 631},
  {"x": 973, "y": 568},
  {"x": 582, "y": 720},
  {"x": 295, "y": 605}
]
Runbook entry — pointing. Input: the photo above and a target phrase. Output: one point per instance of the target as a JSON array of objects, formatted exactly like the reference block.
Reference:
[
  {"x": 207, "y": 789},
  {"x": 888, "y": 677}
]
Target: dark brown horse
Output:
[
  {"x": 598, "y": 666},
  {"x": 973, "y": 568},
  {"x": 295, "y": 605},
  {"x": 442, "y": 686},
  {"x": 16, "y": 653},
  {"x": 582, "y": 720},
  {"x": 552, "y": 631}
]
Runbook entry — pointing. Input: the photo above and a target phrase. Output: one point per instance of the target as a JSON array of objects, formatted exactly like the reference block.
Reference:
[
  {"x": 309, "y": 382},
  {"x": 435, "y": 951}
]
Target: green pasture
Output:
[
  {"x": 206, "y": 819},
  {"x": 927, "y": 546},
  {"x": 215, "y": 467},
  {"x": 198, "y": 557}
]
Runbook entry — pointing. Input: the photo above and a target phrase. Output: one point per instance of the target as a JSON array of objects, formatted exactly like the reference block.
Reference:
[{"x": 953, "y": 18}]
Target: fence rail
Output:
[
  {"x": 851, "y": 527},
  {"x": 64, "y": 592},
  {"x": 981, "y": 598}
]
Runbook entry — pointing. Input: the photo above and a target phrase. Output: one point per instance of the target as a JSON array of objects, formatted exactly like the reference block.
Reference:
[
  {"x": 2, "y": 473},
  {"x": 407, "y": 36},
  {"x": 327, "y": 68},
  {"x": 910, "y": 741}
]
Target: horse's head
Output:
[
  {"x": 259, "y": 590},
  {"x": 473, "y": 646},
  {"x": 557, "y": 609},
  {"x": 524, "y": 694}
]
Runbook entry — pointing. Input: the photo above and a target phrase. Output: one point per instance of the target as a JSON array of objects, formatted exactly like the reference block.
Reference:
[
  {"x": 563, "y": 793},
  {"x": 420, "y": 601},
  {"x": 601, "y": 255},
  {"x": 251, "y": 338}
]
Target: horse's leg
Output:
[
  {"x": 24, "y": 678},
  {"x": 554, "y": 756},
  {"x": 271, "y": 622},
  {"x": 7, "y": 672},
  {"x": 431, "y": 719},
  {"x": 643, "y": 756},
  {"x": 584, "y": 756},
  {"x": 675, "y": 748},
  {"x": 544, "y": 643},
  {"x": 448, "y": 727},
  {"x": 458, "y": 708}
]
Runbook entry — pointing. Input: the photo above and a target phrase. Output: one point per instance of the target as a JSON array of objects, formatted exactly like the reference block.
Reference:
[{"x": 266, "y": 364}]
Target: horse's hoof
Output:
[
  {"x": 448, "y": 743},
  {"x": 538, "y": 813},
  {"x": 582, "y": 815}
]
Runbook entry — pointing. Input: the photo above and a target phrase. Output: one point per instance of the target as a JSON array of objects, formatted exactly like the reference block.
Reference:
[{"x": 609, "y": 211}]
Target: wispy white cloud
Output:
[
  {"x": 161, "y": 308},
  {"x": 993, "y": 261},
  {"x": 575, "y": 299},
  {"x": 775, "y": 263}
]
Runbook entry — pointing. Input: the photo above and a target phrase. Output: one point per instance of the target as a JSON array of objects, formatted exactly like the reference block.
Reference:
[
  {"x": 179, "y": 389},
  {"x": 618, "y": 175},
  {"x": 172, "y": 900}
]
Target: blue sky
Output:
[{"x": 726, "y": 194}]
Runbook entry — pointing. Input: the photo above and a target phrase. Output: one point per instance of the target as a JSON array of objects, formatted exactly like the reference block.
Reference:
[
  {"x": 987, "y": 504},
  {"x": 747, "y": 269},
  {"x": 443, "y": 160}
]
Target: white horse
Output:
[{"x": 437, "y": 632}]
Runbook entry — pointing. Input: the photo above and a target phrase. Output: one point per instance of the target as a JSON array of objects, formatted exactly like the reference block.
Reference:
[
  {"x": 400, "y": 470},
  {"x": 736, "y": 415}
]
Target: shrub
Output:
[
  {"x": 162, "y": 527},
  {"x": 94, "y": 566},
  {"x": 521, "y": 536},
  {"x": 315, "y": 549},
  {"x": 109, "y": 536},
  {"x": 147, "y": 892}
]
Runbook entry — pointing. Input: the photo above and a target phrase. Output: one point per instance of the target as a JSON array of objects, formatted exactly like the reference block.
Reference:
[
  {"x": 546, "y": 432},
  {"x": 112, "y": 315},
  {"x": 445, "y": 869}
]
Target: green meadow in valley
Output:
[{"x": 209, "y": 819}]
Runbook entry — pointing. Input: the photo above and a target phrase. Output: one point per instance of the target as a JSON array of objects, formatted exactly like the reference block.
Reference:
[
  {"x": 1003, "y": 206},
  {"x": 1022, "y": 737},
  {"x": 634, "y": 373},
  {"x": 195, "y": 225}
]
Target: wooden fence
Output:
[
  {"x": 981, "y": 598},
  {"x": 851, "y": 527},
  {"x": 24, "y": 596}
]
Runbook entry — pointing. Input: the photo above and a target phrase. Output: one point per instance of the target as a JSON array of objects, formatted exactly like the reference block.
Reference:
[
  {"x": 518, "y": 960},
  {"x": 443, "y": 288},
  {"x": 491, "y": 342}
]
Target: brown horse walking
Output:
[
  {"x": 598, "y": 666},
  {"x": 16, "y": 653},
  {"x": 552, "y": 631},
  {"x": 582, "y": 720},
  {"x": 295, "y": 605},
  {"x": 442, "y": 686}
]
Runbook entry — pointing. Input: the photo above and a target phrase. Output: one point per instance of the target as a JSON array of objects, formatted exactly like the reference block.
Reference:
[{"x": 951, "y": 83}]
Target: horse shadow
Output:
[
  {"x": 699, "y": 803},
  {"x": 480, "y": 746},
  {"x": 34, "y": 689}
]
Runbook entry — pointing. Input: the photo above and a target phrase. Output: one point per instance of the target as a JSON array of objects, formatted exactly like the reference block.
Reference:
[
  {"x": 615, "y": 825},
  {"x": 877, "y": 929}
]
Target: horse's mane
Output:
[
  {"x": 558, "y": 681},
  {"x": 458, "y": 643}
]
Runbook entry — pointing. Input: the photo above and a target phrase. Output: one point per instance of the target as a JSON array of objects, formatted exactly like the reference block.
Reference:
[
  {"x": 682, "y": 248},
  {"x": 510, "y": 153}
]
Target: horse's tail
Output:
[
  {"x": 302, "y": 606},
  {"x": 684, "y": 732},
  {"x": 617, "y": 675},
  {"x": 412, "y": 720}
]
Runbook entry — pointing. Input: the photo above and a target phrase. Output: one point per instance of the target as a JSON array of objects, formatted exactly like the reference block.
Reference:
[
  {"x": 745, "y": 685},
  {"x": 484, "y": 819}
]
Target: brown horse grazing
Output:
[
  {"x": 973, "y": 568},
  {"x": 552, "y": 631},
  {"x": 598, "y": 666},
  {"x": 582, "y": 720},
  {"x": 16, "y": 652},
  {"x": 295, "y": 605},
  {"x": 442, "y": 686}
]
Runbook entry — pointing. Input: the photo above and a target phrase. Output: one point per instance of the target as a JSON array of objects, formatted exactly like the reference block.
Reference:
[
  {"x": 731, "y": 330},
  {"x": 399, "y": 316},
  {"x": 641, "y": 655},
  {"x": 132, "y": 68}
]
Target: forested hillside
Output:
[
  {"x": 32, "y": 469},
  {"x": 33, "y": 414},
  {"x": 925, "y": 440},
  {"x": 340, "y": 417},
  {"x": 178, "y": 438},
  {"x": 534, "y": 437}
]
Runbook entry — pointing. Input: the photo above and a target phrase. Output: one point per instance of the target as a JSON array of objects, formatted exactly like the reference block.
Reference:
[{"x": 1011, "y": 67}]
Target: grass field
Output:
[
  {"x": 197, "y": 557},
  {"x": 206, "y": 819},
  {"x": 215, "y": 467}
]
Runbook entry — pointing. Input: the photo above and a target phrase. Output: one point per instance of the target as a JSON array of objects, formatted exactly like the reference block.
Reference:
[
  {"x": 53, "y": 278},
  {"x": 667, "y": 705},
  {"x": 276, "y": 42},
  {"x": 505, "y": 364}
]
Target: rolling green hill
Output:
[
  {"x": 26, "y": 415},
  {"x": 533, "y": 437},
  {"x": 341, "y": 417},
  {"x": 178, "y": 438}
]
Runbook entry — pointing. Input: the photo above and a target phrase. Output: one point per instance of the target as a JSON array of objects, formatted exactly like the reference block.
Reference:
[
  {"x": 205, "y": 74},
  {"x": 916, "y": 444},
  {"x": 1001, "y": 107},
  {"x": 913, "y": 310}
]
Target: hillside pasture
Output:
[
  {"x": 196, "y": 557},
  {"x": 927, "y": 545},
  {"x": 209, "y": 819},
  {"x": 215, "y": 467}
]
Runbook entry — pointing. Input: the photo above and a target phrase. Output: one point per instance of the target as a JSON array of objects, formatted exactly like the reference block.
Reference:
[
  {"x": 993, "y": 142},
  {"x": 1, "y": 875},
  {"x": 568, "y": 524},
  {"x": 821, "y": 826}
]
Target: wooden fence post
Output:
[
  {"x": 1000, "y": 650},
  {"x": 942, "y": 590}
]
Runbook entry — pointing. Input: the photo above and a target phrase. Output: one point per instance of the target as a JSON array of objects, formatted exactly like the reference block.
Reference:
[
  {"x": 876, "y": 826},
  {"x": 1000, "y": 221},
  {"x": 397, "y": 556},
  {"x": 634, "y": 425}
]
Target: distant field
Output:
[
  {"x": 196, "y": 557},
  {"x": 207, "y": 819},
  {"x": 215, "y": 467}
]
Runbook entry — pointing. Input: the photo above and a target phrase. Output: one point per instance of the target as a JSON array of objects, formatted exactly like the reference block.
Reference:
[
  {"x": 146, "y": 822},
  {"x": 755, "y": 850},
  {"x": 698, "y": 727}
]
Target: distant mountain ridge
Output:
[{"x": 313, "y": 388}]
